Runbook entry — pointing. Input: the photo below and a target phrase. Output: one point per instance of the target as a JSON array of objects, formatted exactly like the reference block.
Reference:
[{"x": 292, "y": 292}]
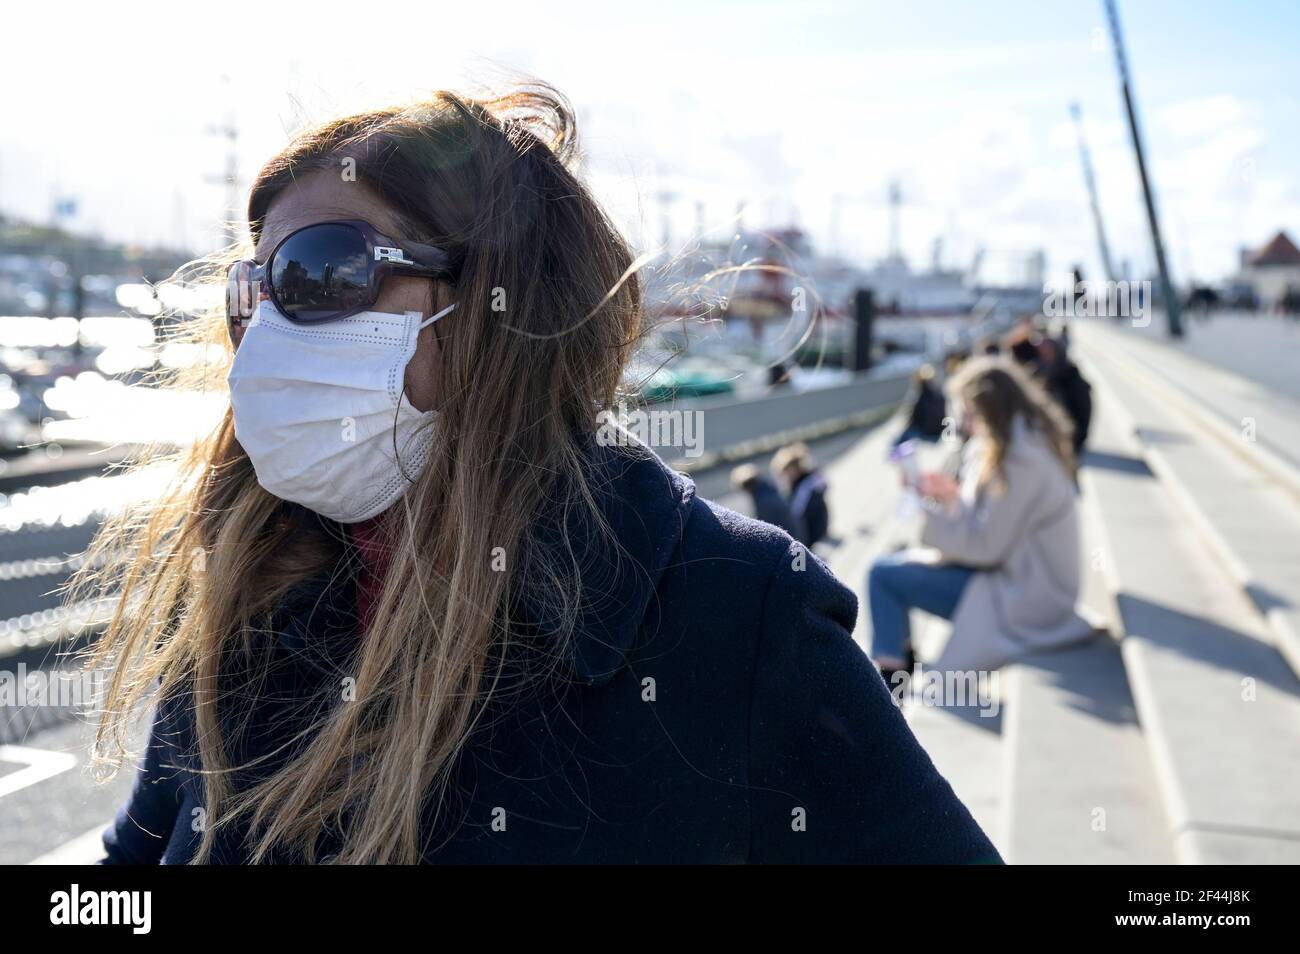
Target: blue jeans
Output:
[{"x": 896, "y": 585}]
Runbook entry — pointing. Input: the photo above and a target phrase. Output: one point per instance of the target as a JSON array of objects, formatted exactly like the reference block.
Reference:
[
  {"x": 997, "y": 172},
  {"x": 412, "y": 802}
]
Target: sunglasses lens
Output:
[
  {"x": 320, "y": 272},
  {"x": 241, "y": 299}
]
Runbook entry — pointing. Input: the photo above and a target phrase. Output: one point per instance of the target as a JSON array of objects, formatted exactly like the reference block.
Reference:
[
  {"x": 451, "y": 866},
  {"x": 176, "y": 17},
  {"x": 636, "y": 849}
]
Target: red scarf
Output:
[{"x": 372, "y": 545}]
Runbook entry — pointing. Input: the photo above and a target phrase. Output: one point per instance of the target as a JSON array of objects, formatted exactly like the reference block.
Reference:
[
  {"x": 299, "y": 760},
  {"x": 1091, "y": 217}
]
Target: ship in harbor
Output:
[{"x": 765, "y": 308}]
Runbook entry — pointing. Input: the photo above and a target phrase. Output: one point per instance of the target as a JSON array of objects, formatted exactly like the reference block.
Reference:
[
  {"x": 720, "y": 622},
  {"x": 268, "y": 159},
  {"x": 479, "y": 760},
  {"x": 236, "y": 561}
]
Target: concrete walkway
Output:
[{"x": 1178, "y": 739}]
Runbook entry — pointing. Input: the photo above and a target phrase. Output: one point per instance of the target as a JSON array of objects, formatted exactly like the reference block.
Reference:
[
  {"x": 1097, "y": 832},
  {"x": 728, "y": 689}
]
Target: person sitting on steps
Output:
[{"x": 1001, "y": 557}]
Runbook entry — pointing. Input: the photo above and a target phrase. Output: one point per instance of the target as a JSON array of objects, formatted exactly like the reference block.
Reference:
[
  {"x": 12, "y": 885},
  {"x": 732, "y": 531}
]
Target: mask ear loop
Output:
[{"x": 450, "y": 308}]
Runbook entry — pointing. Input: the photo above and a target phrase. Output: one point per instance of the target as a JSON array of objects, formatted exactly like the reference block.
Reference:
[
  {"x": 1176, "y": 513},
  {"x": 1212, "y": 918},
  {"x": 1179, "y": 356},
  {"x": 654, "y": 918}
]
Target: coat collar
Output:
[{"x": 645, "y": 505}]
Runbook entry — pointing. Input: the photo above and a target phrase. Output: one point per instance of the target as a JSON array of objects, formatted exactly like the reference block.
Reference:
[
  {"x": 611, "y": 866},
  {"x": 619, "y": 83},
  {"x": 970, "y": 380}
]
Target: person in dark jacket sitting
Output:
[
  {"x": 1063, "y": 381},
  {"x": 929, "y": 409},
  {"x": 766, "y": 499},
  {"x": 411, "y": 602},
  {"x": 807, "y": 491}
]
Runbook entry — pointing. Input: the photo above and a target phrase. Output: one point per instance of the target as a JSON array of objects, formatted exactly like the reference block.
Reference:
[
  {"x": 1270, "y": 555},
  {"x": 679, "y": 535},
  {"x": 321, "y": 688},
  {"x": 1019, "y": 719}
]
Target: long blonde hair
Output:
[
  {"x": 487, "y": 178},
  {"x": 1000, "y": 393}
]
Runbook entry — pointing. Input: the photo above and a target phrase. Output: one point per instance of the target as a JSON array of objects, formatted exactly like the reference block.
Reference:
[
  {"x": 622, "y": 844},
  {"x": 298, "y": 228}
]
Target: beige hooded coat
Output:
[{"x": 1024, "y": 539}]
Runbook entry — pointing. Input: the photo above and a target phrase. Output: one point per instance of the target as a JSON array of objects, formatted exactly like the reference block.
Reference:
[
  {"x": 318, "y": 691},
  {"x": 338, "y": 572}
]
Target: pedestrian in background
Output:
[
  {"x": 808, "y": 488},
  {"x": 1067, "y": 386},
  {"x": 766, "y": 499},
  {"x": 928, "y": 410}
]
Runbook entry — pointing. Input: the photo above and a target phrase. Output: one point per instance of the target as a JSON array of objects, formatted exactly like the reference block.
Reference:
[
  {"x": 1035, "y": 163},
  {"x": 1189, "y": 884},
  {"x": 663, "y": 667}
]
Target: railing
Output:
[{"x": 735, "y": 429}]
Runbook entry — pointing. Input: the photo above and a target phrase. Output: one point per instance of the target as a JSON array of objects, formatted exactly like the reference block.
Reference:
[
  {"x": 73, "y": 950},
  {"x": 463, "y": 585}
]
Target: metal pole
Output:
[
  {"x": 1090, "y": 180},
  {"x": 864, "y": 321},
  {"x": 1172, "y": 310}
]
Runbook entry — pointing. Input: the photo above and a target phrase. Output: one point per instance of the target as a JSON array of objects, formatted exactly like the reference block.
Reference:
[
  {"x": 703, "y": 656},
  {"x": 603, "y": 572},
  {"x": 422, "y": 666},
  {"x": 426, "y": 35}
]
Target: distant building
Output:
[
  {"x": 939, "y": 291},
  {"x": 1272, "y": 270}
]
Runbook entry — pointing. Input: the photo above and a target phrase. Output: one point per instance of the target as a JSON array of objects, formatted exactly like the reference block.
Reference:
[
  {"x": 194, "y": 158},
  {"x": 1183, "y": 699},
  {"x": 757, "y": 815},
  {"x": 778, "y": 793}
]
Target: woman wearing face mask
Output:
[{"x": 405, "y": 605}]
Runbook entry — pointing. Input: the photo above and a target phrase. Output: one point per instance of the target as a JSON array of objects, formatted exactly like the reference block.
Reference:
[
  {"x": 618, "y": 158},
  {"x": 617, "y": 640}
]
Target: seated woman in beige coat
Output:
[{"x": 1002, "y": 559}]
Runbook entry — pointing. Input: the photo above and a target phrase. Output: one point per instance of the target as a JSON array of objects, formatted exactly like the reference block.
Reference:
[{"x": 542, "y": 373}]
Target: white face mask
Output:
[{"x": 322, "y": 412}]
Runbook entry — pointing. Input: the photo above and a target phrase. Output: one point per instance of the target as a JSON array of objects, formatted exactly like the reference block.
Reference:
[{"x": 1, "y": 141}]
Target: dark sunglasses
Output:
[{"x": 326, "y": 271}]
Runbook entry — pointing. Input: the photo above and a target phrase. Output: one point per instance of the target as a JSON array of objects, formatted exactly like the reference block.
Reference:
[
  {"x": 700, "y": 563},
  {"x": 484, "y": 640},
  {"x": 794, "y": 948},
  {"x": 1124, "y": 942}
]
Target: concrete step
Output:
[
  {"x": 1222, "y": 400},
  {"x": 1218, "y": 705},
  {"x": 1079, "y": 784},
  {"x": 1243, "y": 498},
  {"x": 964, "y": 742},
  {"x": 966, "y": 745}
]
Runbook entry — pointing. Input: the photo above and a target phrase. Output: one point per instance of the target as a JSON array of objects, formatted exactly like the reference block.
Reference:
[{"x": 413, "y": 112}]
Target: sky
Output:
[{"x": 791, "y": 109}]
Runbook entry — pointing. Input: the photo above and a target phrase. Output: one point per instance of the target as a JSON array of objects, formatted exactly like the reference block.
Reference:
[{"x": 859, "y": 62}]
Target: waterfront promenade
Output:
[{"x": 1175, "y": 738}]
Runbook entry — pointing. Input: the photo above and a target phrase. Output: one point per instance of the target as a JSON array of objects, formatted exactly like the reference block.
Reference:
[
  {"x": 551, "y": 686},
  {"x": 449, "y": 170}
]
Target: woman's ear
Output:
[
  {"x": 422, "y": 372},
  {"x": 441, "y": 295}
]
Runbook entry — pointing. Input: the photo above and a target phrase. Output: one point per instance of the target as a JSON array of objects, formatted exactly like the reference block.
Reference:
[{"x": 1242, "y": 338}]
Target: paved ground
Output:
[
  {"x": 1242, "y": 371},
  {"x": 1264, "y": 348},
  {"x": 47, "y": 795}
]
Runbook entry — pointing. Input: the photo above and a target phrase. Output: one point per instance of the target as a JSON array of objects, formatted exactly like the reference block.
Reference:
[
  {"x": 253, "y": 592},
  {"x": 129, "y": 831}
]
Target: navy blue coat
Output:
[{"x": 714, "y": 708}]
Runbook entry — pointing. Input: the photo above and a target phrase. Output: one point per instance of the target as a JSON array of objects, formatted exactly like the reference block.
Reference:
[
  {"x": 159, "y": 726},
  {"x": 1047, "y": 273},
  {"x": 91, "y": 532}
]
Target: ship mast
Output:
[{"x": 895, "y": 211}]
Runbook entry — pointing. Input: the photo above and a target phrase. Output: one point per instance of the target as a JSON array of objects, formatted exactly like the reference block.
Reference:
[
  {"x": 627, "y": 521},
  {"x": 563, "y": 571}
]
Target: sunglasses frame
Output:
[{"x": 247, "y": 284}]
